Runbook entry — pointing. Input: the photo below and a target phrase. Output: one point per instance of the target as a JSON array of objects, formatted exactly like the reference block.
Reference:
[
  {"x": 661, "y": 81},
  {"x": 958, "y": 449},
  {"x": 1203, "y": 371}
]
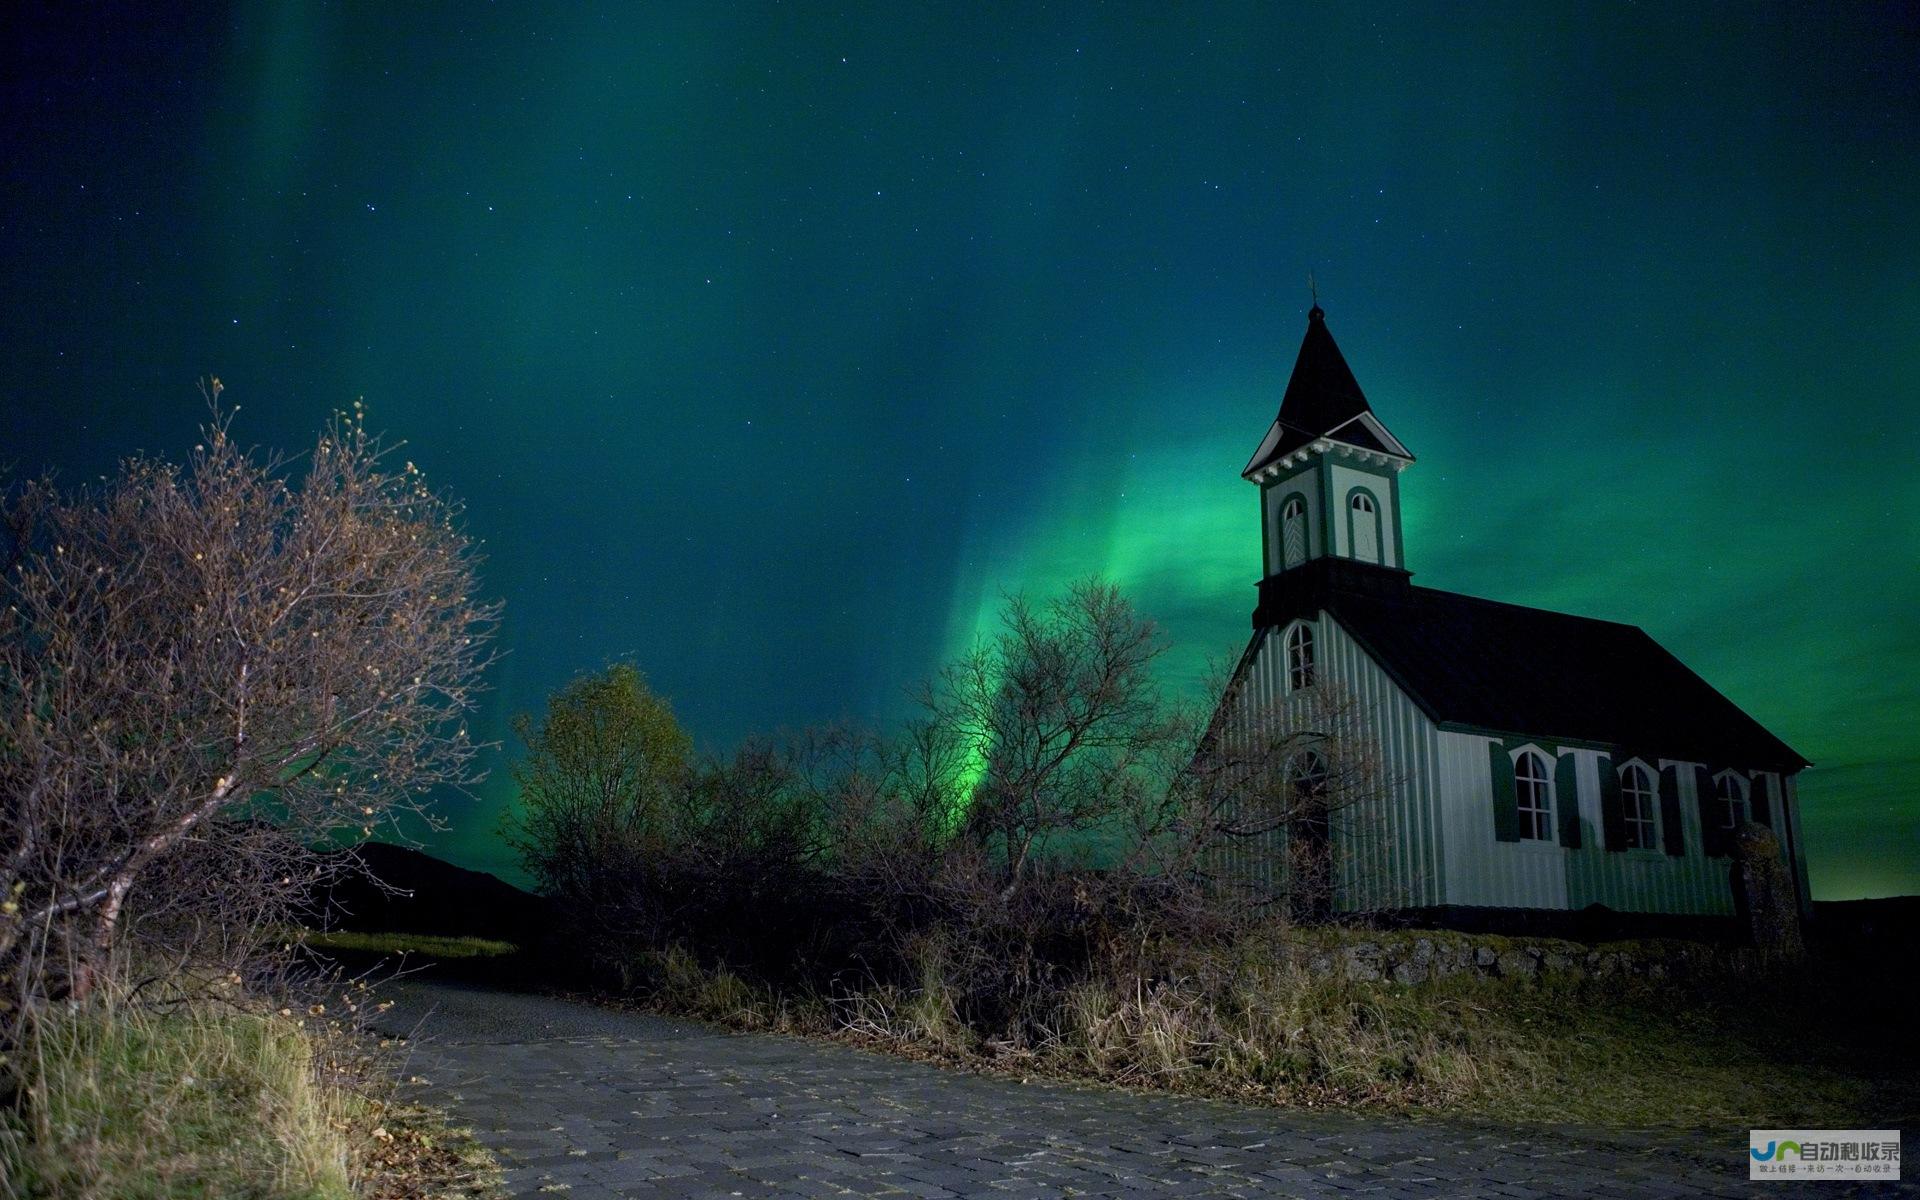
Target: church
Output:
[{"x": 1534, "y": 765}]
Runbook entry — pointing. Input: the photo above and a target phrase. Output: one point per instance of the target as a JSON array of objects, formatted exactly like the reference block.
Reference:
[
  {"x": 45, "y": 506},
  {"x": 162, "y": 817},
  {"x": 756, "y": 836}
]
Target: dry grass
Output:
[
  {"x": 419, "y": 945},
  {"x": 1694, "y": 1052},
  {"x": 1251, "y": 1022},
  {"x": 925, "y": 1017},
  {"x": 214, "y": 1096},
  {"x": 190, "y": 1101},
  {"x": 677, "y": 983}
]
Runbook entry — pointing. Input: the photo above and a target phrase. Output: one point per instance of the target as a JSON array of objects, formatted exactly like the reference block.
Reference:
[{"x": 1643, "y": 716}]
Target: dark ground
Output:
[{"x": 591, "y": 1102}]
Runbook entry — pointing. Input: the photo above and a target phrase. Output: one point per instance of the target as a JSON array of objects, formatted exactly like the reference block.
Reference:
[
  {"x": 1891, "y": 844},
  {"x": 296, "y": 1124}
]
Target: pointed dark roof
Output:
[
  {"x": 1323, "y": 400},
  {"x": 1323, "y": 394}
]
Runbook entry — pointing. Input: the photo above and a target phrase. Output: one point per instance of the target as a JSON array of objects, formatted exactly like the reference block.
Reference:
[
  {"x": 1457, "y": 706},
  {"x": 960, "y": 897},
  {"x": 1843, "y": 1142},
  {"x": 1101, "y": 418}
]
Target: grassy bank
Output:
[
  {"x": 1691, "y": 1036},
  {"x": 215, "y": 1098},
  {"x": 416, "y": 945},
  {"x": 1250, "y": 1022}
]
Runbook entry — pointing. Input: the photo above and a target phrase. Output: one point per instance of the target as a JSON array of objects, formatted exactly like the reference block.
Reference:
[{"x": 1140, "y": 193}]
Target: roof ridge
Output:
[{"x": 1534, "y": 608}]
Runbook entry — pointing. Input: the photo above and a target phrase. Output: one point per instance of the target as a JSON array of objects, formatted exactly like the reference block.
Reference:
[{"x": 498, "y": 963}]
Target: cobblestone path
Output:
[{"x": 584, "y": 1103}]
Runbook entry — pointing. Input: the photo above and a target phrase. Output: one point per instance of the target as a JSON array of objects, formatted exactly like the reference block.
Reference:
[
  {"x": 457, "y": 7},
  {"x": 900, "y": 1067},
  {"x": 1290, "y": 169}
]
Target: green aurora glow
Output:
[{"x": 770, "y": 348}]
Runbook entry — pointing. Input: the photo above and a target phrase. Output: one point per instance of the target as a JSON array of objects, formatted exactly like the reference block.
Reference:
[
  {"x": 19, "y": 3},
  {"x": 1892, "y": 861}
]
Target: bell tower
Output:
[{"x": 1328, "y": 469}]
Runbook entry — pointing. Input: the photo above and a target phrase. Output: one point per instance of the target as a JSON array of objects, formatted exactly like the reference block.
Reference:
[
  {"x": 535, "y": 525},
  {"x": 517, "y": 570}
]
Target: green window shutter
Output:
[
  {"x": 1758, "y": 800},
  {"x": 1566, "y": 799},
  {"x": 1506, "y": 805},
  {"x": 1673, "y": 831},
  {"x": 1713, "y": 837},
  {"x": 1613, "y": 818}
]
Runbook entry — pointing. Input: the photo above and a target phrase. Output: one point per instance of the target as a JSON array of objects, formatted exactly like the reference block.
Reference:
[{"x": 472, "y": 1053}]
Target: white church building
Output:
[{"x": 1536, "y": 764}]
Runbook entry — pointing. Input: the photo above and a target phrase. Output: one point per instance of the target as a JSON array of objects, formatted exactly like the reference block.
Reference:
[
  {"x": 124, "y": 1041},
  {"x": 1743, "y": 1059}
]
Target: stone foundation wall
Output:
[{"x": 1415, "y": 958}]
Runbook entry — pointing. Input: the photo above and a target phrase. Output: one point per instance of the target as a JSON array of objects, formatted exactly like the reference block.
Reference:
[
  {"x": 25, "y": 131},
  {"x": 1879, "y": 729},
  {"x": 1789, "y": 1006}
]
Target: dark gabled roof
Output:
[
  {"x": 1503, "y": 668},
  {"x": 1323, "y": 399},
  {"x": 1509, "y": 669}
]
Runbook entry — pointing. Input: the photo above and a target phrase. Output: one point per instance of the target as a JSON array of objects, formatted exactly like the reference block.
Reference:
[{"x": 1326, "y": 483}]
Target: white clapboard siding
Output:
[
  {"x": 1387, "y": 854},
  {"x": 1643, "y": 880},
  {"x": 1482, "y": 870},
  {"x": 1429, "y": 839}
]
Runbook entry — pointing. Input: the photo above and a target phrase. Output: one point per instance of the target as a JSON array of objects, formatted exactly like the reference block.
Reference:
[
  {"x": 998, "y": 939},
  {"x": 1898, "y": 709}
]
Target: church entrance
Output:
[{"x": 1309, "y": 842}]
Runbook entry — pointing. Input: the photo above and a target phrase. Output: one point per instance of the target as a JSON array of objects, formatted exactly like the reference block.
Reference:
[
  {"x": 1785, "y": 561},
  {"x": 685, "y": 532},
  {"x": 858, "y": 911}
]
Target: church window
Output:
[
  {"x": 1293, "y": 531},
  {"x": 1364, "y": 526},
  {"x": 1307, "y": 775},
  {"x": 1637, "y": 798},
  {"x": 1299, "y": 657},
  {"x": 1533, "y": 789},
  {"x": 1733, "y": 801}
]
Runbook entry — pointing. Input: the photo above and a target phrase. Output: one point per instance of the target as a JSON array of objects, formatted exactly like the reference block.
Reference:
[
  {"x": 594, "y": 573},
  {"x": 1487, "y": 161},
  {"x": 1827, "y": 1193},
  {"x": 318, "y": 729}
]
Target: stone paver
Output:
[{"x": 586, "y": 1103}]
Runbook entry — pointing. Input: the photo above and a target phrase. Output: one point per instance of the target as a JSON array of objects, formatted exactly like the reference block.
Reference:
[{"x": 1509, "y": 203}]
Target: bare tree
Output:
[
  {"x": 1061, "y": 717},
  {"x": 200, "y": 662},
  {"x": 1274, "y": 800},
  {"x": 1050, "y": 814},
  {"x": 887, "y": 803}
]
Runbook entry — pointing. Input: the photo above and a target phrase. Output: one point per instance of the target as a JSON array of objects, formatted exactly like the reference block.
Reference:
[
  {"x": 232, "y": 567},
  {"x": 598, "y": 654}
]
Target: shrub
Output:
[
  {"x": 1054, "y": 869},
  {"x": 207, "y": 670},
  {"x": 1048, "y": 810}
]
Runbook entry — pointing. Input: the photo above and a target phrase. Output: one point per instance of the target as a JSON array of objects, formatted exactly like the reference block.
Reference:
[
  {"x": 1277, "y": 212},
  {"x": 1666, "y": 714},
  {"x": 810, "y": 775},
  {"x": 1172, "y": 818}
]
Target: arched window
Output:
[
  {"x": 1364, "y": 526},
  {"x": 1293, "y": 531},
  {"x": 1307, "y": 775},
  {"x": 1299, "y": 657},
  {"x": 1638, "y": 795},
  {"x": 1533, "y": 788},
  {"x": 1732, "y": 795}
]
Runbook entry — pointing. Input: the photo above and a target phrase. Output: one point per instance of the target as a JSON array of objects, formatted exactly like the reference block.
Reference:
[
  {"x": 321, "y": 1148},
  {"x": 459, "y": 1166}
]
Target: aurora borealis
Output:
[{"x": 769, "y": 345}]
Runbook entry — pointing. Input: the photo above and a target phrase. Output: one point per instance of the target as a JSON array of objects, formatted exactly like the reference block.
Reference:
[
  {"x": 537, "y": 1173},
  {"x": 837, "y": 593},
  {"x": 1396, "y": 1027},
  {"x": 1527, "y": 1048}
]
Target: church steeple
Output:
[
  {"x": 1328, "y": 468},
  {"x": 1323, "y": 400}
]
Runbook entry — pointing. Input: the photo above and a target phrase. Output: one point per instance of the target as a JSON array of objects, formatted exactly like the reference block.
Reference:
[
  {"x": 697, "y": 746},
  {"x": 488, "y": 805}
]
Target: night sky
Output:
[{"x": 769, "y": 345}]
